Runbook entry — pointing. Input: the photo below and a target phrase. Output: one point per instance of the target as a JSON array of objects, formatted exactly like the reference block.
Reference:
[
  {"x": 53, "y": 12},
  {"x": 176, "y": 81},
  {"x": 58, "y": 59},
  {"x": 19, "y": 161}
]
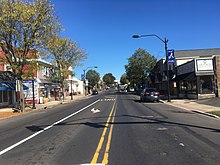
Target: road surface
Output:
[{"x": 110, "y": 128}]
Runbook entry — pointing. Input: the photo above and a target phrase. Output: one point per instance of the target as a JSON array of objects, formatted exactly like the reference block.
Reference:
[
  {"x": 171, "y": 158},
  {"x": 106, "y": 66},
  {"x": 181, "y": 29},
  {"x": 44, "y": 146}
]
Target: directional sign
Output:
[{"x": 170, "y": 54}]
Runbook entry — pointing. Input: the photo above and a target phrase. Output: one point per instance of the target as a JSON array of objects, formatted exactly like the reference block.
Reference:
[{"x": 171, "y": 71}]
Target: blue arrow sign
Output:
[{"x": 170, "y": 54}]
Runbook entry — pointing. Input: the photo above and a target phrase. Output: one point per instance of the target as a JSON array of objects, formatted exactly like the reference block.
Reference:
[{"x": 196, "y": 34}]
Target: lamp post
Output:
[
  {"x": 84, "y": 72},
  {"x": 165, "y": 41},
  {"x": 33, "y": 98}
]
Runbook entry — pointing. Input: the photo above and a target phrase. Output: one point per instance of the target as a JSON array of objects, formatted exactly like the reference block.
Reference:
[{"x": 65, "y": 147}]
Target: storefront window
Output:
[
  {"x": 188, "y": 87},
  {"x": 192, "y": 87},
  {"x": 206, "y": 85},
  {"x": 183, "y": 87}
]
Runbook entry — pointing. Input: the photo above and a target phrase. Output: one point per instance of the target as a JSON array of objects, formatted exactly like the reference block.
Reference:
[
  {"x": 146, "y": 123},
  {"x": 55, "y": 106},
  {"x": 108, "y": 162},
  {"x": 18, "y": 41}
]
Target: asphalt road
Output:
[{"x": 110, "y": 128}]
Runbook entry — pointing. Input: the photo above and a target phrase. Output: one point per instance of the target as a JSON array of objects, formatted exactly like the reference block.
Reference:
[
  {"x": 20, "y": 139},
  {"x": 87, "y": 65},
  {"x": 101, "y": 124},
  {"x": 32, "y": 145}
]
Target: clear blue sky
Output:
[{"x": 104, "y": 28}]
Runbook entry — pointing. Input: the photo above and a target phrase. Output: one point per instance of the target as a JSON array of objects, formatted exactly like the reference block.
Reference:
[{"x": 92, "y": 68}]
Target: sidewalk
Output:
[
  {"x": 204, "y": 106},
  {"x": 8, "y": 112}
]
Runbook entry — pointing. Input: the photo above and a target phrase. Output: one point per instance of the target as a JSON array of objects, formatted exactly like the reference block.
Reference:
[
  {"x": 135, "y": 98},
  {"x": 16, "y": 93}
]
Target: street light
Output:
[
  {"x": 165, "y": 41},
  {"x": 84, "y": 71}
]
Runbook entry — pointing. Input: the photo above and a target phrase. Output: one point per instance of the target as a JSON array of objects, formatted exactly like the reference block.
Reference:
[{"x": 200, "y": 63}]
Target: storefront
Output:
[
  {"x": 48, "y": 90},
  {"x": 8, "y": 89},
  {"x": 195, "y": 79}
]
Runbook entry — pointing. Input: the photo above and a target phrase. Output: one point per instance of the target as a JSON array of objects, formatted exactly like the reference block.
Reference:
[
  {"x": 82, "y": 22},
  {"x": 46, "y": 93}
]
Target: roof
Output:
[{"x": 197, "y": 53}]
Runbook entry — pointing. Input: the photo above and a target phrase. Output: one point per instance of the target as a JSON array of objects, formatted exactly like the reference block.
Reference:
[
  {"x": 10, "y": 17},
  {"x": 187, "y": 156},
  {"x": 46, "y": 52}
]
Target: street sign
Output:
[{"x": 170, "y": 54}]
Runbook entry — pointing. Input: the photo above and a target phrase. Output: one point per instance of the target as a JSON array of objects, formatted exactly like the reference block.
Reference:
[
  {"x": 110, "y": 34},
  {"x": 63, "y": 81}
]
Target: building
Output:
[
  {"x": 195, "y": 74},
  {"x": 75, "y": 86},
  {"x": 42, "y": 76}
]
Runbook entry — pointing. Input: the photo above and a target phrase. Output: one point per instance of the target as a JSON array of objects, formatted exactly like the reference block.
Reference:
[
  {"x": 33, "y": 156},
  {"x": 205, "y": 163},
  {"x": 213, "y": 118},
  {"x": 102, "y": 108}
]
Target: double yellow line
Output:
[{"x": 96, "y": 155}]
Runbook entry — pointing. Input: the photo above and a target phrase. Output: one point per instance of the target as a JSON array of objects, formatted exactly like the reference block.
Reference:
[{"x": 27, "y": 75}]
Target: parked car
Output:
[
  {"x": 150, "y": 94},
  {"x": 95, "y": 92}
]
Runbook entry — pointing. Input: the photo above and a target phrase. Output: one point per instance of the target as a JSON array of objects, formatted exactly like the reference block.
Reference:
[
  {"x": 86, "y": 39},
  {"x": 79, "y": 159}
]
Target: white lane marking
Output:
[
  {"x": 38, "y": 132},
  {"x": 107, "y": 99},
  {"x": 162, "y": 129},
  {"x": 95, "y": 110}
]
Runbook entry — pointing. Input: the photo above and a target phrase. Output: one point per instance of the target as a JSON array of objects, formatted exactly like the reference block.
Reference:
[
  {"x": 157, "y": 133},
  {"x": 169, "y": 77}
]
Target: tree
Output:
[
  {"x": 139, "y": 66},
  {"x": 25, "y": 26},
  {"x": 93, "y": 77},
  {"x": 65, "y": 53},
  {"x": 108, "y": 79},
  {"x": 124, "y": 80}
]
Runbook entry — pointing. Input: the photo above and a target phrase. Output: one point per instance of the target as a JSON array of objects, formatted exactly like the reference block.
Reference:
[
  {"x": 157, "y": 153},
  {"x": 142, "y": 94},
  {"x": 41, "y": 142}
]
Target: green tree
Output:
[
  {"x": 124, "y": 79},
  {"x": 139, "y": 66},
  {"x": 93, "y": 77},
  {"x": 65, "y": 53},
  {"x": 108, "y": 79},
  {"x": 25, "y": 26}
]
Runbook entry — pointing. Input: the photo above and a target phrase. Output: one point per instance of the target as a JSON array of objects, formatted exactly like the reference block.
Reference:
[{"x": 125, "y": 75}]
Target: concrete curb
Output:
[{"x": 206, "y": 113}]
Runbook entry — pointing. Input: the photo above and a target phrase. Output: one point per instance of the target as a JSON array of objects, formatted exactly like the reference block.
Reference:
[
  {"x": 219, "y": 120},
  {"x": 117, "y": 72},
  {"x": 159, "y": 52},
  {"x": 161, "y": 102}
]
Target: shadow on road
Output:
[{"x": 146, "y": 120}]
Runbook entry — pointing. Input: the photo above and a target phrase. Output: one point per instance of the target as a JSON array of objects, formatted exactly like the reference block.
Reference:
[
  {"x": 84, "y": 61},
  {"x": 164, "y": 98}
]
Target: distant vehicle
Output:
[
  {"x": 150, "y": 94},
  {"x": 122, "y": 88},
  {"x": 95, "y": 92}
]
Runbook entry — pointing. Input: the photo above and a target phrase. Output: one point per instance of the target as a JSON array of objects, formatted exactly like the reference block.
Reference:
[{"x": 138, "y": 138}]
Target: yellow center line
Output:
[
  {"x": 105, "y": 159},
  {"x": 96, "y": 155}
]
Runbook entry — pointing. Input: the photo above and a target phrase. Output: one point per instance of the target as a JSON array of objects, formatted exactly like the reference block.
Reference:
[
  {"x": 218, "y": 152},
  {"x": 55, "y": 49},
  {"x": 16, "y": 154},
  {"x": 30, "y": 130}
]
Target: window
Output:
[{"x": 206, "y": 85}]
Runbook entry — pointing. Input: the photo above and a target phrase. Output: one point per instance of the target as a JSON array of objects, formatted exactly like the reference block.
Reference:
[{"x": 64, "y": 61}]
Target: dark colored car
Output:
[
  {"x": 95, "y": 92},
  {"x": 150, "y": 94}
]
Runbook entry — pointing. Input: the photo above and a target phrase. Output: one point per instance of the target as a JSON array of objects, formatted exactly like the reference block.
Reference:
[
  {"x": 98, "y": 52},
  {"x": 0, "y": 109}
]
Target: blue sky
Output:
[{"x": 104, "y": 28}]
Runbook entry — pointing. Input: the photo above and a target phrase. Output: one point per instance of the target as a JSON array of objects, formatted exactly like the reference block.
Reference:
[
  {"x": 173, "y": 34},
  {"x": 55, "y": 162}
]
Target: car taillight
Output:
[
  {"x": 157, "y": 93},
  {"x": 146, "y": 93}
]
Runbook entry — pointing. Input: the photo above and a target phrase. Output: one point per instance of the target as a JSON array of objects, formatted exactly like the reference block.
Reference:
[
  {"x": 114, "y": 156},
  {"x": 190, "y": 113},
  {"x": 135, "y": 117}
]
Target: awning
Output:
[
  {"x": 49, "y": 84},
  {"x": 10, "y": 86},
  {"x": 186, "y": 77}
]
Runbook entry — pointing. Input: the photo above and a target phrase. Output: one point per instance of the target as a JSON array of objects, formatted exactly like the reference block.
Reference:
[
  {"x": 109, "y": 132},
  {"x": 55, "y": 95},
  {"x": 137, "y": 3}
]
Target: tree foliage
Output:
[
  {"x": 25, "y": 26},
  {"x": 124, "y": 79},
  {"x": 139, "y": 66},
  {"x": 108, "y": 79},
  {"x": 93, "y": 77},
  {"x": 65, "y": 53}
]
